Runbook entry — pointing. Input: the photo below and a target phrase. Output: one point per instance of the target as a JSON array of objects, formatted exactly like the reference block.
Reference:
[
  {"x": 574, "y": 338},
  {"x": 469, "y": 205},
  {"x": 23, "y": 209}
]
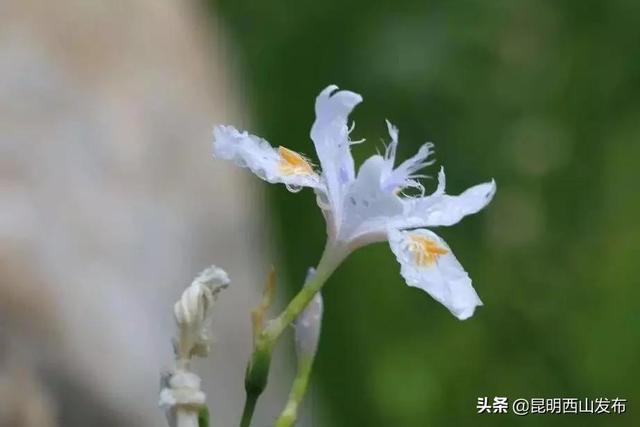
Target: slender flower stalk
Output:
[
  {"x": 332, "y": 257},
  {"x": 300, "y": 383},
  {"x": 258, "y": 367},
  {"x": 307, "y": 336},
  {"x": 257, "y": 373},
  {"x": 249, "y": 408}
]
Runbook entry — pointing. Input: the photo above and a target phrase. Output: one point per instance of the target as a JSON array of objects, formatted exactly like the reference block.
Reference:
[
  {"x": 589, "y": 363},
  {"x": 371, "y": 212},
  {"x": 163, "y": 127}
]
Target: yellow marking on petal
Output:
[
  {"x": 292, "y": 163},
  {"x": 425, "y": 250}
]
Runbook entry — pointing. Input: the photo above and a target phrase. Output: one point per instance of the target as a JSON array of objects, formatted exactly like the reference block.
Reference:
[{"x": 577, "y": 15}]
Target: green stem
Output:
[
  {"x": 249, "y": 407},
  {"x": 258, "y": 370},
  {"x": 331, "y": 258},
  {"x": 256, "y": 379},
  {"x": 290, "y": 413}
]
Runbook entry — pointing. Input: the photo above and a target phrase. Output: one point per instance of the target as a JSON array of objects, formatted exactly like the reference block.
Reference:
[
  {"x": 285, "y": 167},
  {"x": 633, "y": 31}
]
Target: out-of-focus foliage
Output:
[{"x": 544, "y": 96}]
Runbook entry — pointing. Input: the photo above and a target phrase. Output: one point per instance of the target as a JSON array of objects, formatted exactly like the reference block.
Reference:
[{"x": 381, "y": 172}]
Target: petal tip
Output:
[
  {"x": 327, "y": 91},
  {"x": 393, "y": 130},
  {"x": 468, "y": 311},
  {"x": 346, "y": 97},
  {"x": 464, "y": 315},
  {"x": 492, "y": 190}
]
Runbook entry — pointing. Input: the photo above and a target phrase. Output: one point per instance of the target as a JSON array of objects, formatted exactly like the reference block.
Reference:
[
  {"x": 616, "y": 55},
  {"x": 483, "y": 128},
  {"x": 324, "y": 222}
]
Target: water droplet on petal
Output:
[{"x": 293, "y": 188}]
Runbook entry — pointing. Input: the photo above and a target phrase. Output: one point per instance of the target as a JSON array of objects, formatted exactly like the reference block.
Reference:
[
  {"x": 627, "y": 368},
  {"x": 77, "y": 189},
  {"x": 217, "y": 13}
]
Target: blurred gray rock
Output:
[{"x": 110, "y": 203}]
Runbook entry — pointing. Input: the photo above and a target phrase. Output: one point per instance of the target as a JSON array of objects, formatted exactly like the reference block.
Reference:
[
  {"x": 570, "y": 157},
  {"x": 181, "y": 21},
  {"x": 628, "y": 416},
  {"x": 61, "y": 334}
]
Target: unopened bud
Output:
[
  {"x": 308, "y": 325},
  {"x": 194, "y": 309},
  {"x": 214, "y": 278}
]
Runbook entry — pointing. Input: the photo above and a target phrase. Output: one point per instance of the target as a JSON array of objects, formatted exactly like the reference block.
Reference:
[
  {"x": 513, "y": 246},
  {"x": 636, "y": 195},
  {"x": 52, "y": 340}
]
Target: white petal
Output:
[
  {"x": 403, "y": 175},
  {"x": 367, "y": 208},
  {"x": 390, "y": 153},
  {"x": 442, "y": 182},
  {"x": 442, "y": 209},
  {"x": 330, "y": 136},
  {"x": 262, "y": 159},
  {"x": 426, "y": 262}
]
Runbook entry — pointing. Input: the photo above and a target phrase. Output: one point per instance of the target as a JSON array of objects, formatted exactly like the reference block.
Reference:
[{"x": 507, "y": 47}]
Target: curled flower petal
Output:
[
  {"x": 274, "y": 165},
  {"x": 426, "y": 262},
  {"x": 194, "y": 309},
  {"x": 330, "y": 135}
]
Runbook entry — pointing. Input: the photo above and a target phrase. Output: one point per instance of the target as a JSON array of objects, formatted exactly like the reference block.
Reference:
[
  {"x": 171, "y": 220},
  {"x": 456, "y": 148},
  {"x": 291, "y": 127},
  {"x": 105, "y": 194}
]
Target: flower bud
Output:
[
  {"x": 194, "y": 309},
  {"x": 308, "y": 325}
]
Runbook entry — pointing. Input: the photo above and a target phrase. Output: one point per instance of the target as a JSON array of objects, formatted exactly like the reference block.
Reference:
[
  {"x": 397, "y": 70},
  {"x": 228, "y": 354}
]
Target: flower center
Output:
[
  {"x": 292, "y": 163},
  {"x": 425, "y": 250}
]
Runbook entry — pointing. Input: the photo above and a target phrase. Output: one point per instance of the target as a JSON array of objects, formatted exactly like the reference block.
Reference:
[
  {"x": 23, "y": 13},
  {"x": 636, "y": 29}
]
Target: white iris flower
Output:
[{"x": 370, "y": 206}]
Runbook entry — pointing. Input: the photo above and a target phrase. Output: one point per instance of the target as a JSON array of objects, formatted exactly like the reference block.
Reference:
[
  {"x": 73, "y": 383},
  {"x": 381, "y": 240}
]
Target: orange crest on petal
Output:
[
  {"x": 425, "y": 250},
  {"x": 292, "y": 163}
]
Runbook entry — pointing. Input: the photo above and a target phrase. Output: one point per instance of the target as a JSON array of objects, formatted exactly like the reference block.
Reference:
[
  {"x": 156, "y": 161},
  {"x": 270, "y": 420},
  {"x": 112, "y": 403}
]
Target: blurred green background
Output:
[{"x": 543, "y": 96}]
